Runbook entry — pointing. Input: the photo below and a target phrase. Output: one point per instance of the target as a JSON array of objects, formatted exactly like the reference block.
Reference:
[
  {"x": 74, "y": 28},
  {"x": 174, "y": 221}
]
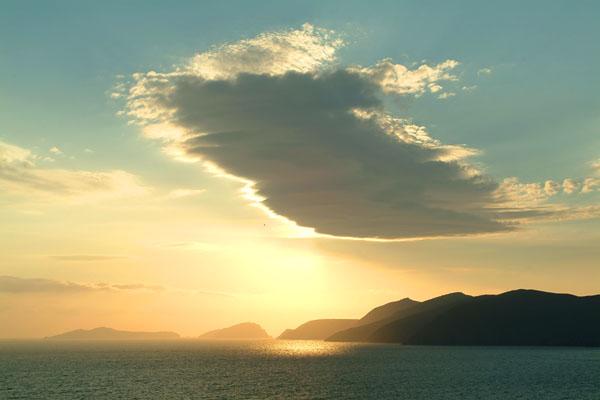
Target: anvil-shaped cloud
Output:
[{"x": 315, "y": 140}]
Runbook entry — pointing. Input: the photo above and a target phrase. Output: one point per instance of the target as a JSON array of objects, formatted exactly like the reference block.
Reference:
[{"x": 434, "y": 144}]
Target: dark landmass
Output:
[
  {"x": 353, "y": 329},
  {"x": 401, "y": 329},
  {"x": 375, "y": 319},
  {"x": 387, "y": 310},
  {"x": 113, "y": 334},
  {"x": 246, "y": 330},
  {"x": 515, "y": 318},
  {"x": 318, "y": 329}
]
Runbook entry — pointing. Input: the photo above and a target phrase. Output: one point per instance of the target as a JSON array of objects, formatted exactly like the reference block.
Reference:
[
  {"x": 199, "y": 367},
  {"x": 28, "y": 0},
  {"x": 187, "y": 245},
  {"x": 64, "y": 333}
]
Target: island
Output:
[
  {"x": 318, "y": 329},
  {"x": 243, "y": 331},
  {"x": 104, "y": 333}
]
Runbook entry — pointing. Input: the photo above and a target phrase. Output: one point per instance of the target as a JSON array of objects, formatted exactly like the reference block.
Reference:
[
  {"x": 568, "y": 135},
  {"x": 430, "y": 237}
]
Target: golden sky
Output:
[{"x": 274, "y": 179}]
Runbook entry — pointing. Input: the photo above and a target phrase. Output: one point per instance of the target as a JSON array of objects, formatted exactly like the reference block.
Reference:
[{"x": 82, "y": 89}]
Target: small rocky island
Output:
[{"x": 243, "y": 331}]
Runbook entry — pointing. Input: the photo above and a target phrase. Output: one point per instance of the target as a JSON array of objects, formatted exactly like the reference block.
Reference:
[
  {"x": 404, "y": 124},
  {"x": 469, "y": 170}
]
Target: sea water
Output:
[{"x": 273, "y": 369}]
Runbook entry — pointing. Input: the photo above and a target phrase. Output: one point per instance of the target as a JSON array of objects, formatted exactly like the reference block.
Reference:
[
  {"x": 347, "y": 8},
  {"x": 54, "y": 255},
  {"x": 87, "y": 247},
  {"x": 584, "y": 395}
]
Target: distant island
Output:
[
  {"x": 113, "y": 334},
  {"x": 318, "y": 329},
  {"x": 245, "y": 330}
]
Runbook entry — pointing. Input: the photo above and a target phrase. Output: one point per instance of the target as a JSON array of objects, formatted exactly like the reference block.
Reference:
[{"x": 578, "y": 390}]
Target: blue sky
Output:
[{"x": 538, "y": 108}]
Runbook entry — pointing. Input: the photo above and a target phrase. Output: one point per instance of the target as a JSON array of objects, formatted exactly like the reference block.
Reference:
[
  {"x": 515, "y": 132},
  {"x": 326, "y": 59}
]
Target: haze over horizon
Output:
[{"x": 161, "y": 170}]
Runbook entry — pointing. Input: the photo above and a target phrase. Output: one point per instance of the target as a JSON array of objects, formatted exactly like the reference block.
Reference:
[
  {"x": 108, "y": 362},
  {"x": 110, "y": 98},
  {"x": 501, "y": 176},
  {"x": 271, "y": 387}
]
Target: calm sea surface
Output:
[{"x": 292, "y": 370}]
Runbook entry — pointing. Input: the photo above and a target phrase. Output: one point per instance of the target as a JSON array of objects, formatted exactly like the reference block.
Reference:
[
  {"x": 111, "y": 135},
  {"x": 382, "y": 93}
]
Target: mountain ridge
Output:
[
  {"x": 363, "y": 333},
  {"x": 520, "y": 317},
  {"x": 517, "y": 318}
]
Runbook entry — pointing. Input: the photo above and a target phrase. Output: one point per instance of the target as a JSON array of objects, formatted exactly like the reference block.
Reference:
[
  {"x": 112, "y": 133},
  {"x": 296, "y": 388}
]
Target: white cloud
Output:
[
  {"x": 20, "y": 176},
  {"x": 484, "y": 71},
  {"x": 434, "y": 87},
  {"x": 529, "y": 202},
  {"x": 398, "y": 79},
  {"x": 14, "y": 155},
  {"x": 596, "y": 166},
  {"x": 551, "y": 188},
  {"x": 405, "y": 131},
  {"x": 446, "y": 95},
  {"x": 570, "y": 185},
  {"x": 302, "y": 50},
  {"x": 590, "y": 185},
  {"x": 55, "y": 150},
  {"x": 512, "y": 191}
]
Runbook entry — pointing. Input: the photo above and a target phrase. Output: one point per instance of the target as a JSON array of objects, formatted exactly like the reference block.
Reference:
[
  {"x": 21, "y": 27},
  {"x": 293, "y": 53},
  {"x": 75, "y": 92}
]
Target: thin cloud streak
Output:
[
  {"x": 12, "y": 285},
  {"x": 85, "y": 257}
]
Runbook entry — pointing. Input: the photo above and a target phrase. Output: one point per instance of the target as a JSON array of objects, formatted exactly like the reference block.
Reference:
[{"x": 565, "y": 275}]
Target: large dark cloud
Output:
[
  {"x": 314, "y": 139},
  {"x": 316, "y": 162}
]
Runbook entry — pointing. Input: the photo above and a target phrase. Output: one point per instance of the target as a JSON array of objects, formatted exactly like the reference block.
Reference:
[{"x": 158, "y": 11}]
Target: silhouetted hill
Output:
[
  {"x": 519, "y": 318},
  {"x": 317, "y": 329},
  {"x": 387, "y": 310},
  {"x": 401, "y": 329},
  {"x": 516, "y": 318},
  {"x": 364, "y": 333},
  {"x": 246, "y": 330},
  {"x": 113, "y": 334}
]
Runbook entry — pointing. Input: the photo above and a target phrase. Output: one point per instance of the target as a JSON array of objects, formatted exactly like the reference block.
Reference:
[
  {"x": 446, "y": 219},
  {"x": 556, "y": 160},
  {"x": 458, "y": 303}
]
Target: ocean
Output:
[{"x": 191, "y": 369}]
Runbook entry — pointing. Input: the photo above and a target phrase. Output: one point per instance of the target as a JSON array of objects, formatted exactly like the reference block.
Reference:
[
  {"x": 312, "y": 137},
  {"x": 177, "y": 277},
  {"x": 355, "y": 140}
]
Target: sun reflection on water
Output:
[{"x": 307, "y": 348}]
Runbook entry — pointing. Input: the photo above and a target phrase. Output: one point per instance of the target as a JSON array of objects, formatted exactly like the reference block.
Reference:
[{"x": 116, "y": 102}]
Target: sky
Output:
[{"x": 187, "y": 166}]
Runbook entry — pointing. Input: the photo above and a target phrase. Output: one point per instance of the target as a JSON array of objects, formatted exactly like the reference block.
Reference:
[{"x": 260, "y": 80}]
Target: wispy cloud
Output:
[
  {"x": 590, "y": 185},
  {"x": 21, "y": 176},
  {"x": 182, "y": 193},
  {"x": 84, "y": 257},
  {"x": 596, "y": 166},
  {"x": 484, "y": 71},
  {"x": 55, "y": 150},
  {"x": 12, "y": 284},
  {"x": 137, "y": 286},
  {"x": 570, "y": 186},
  {"x": 11, "y": 155},
  {"x": 398, "y": 79},
  {"x": 16, "y": 285},
  {"x": 446, "y": 95},
  {"x": 512, "y": 190}
]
